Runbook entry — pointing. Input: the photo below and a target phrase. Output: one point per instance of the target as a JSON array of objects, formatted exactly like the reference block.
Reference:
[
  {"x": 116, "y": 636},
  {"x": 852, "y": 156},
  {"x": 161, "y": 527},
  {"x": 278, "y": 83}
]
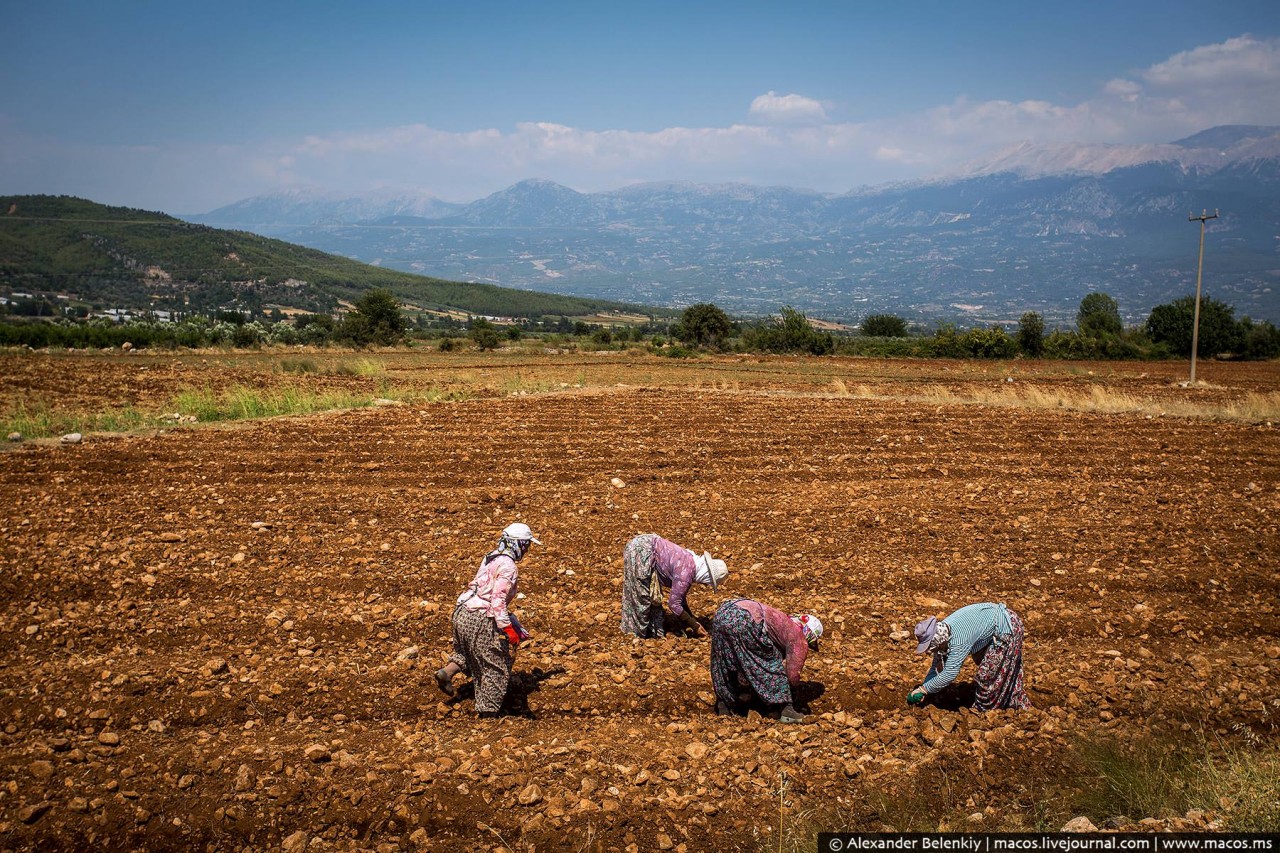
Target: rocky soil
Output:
[{"x": 224, "y": 638}]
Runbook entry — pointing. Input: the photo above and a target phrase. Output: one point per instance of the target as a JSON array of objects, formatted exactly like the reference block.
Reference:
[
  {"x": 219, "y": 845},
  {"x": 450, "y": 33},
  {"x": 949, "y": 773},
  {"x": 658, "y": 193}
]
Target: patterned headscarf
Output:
[
  {"x": 513, "y": 548},
  {"x": 941, "y": 636}
]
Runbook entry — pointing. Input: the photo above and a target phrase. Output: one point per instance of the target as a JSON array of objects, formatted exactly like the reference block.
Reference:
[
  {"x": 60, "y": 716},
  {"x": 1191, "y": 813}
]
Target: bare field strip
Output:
[{"x": 204, "y": 629}]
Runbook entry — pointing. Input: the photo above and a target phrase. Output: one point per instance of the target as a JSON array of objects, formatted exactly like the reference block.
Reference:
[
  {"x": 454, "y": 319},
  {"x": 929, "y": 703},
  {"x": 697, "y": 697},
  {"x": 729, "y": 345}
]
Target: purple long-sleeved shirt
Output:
[
  {"x": 676, "y": 569},
  {"x": 784, "y": 632}
]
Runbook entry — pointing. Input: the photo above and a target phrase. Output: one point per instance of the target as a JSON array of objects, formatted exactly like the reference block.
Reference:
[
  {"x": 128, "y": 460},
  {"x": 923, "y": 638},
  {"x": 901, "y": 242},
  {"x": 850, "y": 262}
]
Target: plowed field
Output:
[{"x": 207, "y": 633}]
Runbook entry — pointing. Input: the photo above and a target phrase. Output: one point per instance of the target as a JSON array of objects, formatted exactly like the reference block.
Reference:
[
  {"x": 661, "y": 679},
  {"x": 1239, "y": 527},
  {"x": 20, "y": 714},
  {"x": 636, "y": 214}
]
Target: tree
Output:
[
  {"x": 484, "y": 333},
  {"x": 792, "y": 332},
  {"x": 1261, "y": 340},
  {"x": 1031, "y": 334},
  {"x": 1099, "y": 316},
  {"x": 884, "y": 326},
  {"x": 704, "y": 324},
  {"x": 1171, "y": 324},
  {"x": 376, "y": 319}
]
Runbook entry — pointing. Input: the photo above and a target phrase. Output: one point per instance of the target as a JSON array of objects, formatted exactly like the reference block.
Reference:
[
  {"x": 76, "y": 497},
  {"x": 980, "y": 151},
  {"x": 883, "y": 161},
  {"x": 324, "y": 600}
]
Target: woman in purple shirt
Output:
[
  {"x": 760, "y": 647},
  {"x": 651, "y": 564}
]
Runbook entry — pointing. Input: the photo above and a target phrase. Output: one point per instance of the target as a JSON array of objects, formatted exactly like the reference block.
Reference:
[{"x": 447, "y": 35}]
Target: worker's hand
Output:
[
  {"x": 915, "y": 697},
  {"x": 699, "y": 631},
  {"x": 512, "y": 636}
]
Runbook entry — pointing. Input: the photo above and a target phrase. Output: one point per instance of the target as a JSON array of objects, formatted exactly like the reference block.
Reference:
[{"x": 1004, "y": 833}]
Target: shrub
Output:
[
  {"x": 1070, "y": 345},
  {"x": 884, "y": 326},
  {"x": 1031, "y": 334},
  {"x": 988, "y": 343},
  {"x": 484, "y": 333},
  {"x": 791, "y": 332},
  {"x": 946, "y": 342}
]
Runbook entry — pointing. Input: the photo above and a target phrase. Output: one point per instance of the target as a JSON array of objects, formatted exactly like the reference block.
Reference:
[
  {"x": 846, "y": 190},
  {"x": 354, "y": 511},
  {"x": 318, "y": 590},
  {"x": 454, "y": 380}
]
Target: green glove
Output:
[{"x": 915, "y": 697}]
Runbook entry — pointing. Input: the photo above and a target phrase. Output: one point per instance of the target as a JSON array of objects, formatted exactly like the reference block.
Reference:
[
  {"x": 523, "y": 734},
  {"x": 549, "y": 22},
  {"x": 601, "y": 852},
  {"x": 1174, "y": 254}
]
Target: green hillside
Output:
[{"x": 127, "y": 258}]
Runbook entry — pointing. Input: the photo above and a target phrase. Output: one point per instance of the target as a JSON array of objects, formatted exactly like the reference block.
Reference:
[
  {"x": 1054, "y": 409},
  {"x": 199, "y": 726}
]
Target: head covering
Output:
[
  {"x": 811, "y": 626},
  {"x": 709, "y": 570},
  {"x": 520, "y": 532},
  {"x": 515, "y": 541},
  {"x": 925, "y": 629}
]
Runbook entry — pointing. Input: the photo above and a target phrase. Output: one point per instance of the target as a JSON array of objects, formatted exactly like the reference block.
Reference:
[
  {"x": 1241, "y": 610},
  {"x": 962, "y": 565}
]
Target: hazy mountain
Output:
[
  {"x": 1035, "y": 228},
  {"x": 125, "y": 258},
  {"x": 1207, "y": 151},
  {"x": 311, "y": 206}
]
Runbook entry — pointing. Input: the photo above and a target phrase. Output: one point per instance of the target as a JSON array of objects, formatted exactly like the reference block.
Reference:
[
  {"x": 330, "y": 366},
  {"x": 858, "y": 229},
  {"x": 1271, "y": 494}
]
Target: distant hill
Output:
[
  {"x": 1034, "y": 228},
  {"x": 121, "y": 257}
]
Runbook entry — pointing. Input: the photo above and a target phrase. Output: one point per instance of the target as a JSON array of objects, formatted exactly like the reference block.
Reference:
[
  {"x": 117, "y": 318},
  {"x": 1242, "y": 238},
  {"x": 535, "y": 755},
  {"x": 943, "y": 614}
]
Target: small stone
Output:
[
  {"x": 32, "y": 813},
  {"x": 72, "y": 438},
  {"x": 664, "y": 841},
  {"x": 15, "y": 436},
  {"x": 109, "y": 739},
  {"x": 295, "y": 843},
  {"x": 618, "y": 483},
  {"x": 530, "y": 795},
  {"x": 42, "y": 770},
  {"x": 696, "y": 750},
  {"x": 1079, "y": 824},
  {"x": 216, "y": 666},
  {"x": 317, "y": 753},
  {"x": 244, "y": 779},
  {"x": 409, "y": 653},
  {"x": 156, "y": 726}
]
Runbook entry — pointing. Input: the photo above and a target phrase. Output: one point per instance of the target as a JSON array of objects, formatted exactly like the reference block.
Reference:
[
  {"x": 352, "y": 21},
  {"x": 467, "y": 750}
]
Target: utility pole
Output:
[{"x": 1195, "y": 322}]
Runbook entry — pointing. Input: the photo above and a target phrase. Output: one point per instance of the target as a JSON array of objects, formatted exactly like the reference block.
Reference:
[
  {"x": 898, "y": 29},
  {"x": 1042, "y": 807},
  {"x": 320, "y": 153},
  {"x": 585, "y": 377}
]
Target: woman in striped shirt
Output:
[{"x": 992, "y": 634}]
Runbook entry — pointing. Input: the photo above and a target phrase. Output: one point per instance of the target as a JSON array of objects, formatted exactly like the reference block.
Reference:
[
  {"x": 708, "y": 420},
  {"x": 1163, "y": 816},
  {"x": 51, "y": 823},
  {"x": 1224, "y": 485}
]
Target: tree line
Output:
[{"x": 378, "y": 320}]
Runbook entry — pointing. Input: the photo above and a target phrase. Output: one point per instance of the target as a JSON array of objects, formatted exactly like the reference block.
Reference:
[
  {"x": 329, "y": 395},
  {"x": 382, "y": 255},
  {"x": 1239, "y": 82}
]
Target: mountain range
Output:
[
  {"x": 1034, "y": 228},
  {"x": 97, "y": 257}
]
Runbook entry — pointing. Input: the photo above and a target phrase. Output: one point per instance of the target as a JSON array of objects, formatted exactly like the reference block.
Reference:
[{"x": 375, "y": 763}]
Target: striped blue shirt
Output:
[{"x": 972, "y": 629}]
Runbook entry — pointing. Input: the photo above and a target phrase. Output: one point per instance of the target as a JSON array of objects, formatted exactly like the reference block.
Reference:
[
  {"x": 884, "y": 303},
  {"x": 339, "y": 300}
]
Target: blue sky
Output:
[{"x": 184, "y": 107}]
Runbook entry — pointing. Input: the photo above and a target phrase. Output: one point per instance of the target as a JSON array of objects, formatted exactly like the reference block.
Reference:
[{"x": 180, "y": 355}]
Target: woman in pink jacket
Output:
[{"x": 485, "y": 633}]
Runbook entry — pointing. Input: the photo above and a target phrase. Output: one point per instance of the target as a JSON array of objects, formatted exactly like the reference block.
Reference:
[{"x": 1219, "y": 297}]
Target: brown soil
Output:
[{"x": 174, "y": 675}]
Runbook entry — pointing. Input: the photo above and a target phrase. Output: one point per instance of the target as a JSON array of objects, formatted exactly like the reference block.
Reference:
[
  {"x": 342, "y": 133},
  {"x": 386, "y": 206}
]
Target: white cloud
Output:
[
  {"x": 772, "y": 108},
  {"x": 1243, "y": 61},
  {"x": 1125, "y": 90},
  {"x": 789, "y": 140}
]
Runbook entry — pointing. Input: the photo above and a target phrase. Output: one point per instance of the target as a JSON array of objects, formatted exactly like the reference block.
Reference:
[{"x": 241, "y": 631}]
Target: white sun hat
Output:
[
  {"x": 709, "y": 569},
  {"x": 520, "y": 532}
]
